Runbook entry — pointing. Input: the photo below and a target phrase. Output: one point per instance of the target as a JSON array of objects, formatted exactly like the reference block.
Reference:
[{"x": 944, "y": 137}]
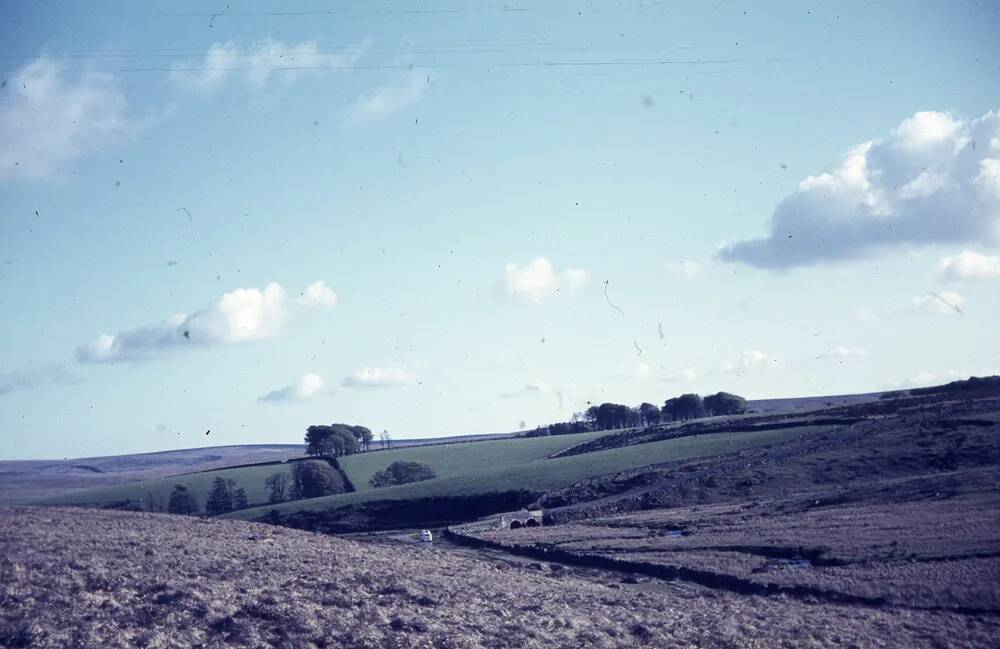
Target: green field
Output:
[
  {"x": 504, "y": 465},
  {"x": 451, "y": 460},
  {"x": 156, "y": 492},
  {"x": 448, "y": 460}
]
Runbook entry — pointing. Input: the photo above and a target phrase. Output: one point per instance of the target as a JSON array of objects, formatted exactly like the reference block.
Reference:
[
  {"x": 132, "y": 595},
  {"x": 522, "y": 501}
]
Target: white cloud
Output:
[
  {"x": 238, "y": 316},
  {"x": 378, "y": 377},
  {"x": 643, "y": 371},
  {"x": 306, "y": 388},
  {"x": 36, "y": 377},
  {"x": 841, "y": 352},
  {"x": 317, "y": 294},
  {"x": 266, "y": 61},
  {"x": 749, "y": 359},
  {"x": 943, "y": 303},
  {"x": 49, "y": 117},
  {"x": 390, "y": 99},
  {"x": 538, "y": 280},
  {"x": 934, "y": 179},
  {"x": 969, "y": 264},
  {"x": 689, "y": 268}
]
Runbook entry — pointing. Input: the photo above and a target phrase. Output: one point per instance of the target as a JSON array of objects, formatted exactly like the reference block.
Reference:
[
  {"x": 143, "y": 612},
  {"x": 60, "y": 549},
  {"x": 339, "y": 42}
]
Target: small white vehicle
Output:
[{"x": 426, "y": 536}]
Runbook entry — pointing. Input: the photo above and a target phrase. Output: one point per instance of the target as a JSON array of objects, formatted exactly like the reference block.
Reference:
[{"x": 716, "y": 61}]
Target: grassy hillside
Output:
[
  {"x": 520, "y": 464},
  {"x": 24, "y": 480},
  {"x": 457, "y": 459},
  {"x": 157, "y": 491}
]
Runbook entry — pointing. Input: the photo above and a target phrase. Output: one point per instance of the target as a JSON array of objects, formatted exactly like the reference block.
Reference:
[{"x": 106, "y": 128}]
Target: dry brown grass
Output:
[{"x": 82, "y": 578}]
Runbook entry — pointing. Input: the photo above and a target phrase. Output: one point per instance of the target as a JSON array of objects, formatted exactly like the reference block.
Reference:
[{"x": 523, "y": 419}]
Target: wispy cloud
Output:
[
  {"x": 934, "y": 179},
  {"x": 689, "y": 268},
  {"x": 842, "y": 352},
  {"x": 535, "y": 388},
  {"x": 266, "y": 61},
  {"x": 239, "y": 316},
  {"x": 36, "y": 377},
  {"x": 748, "y": 360},
  {"x": 309, "y": 386},
  {"x": 538, "y": 280},
  {"x": 378, "y": 377},
  {"x": 50, "y": 116},
  {"x": 391, "y": 98}
]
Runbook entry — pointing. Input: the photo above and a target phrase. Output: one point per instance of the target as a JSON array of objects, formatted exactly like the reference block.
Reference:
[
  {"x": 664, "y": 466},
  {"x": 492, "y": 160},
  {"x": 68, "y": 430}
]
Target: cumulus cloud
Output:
[
  {"x": 36, "y": 377},
  {"x": 389, "y": 99},
  {"x": 934, "y": 179},
  {"x": 306, "y": 388},
  {"x": 969, "y": 264},
  {"x": 50, "y": 116},
  {"x": 262, "y": 63},
  {"x": 378, "y": 377},
  {"x": 943, "y": 303},
  {"x": 538, "y": 280},
  {"x": 235, "y": 317},
  {"x": 750, "y": 359},
  {"x": 317, "y": 294}
]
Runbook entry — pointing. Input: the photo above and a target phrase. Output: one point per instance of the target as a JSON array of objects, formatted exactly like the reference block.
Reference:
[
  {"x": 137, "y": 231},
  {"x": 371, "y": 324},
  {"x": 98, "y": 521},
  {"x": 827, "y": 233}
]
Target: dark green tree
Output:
[
  {"x": 649, "y": 414},
  {"x": 181, "y": 501},
  {"x": 724, "y": 403},
  {"x": 364, "y": 435},
  {"x": 334, "y": 440},
  {"x": 319, "y": 441},
  {"x": 314, "y": 478},
  {"x": 220, "y": 499},
  {"x": 402, "y": 472},
  {"x": 690, "y": 406},
  {"x": 240, "y": 499}
]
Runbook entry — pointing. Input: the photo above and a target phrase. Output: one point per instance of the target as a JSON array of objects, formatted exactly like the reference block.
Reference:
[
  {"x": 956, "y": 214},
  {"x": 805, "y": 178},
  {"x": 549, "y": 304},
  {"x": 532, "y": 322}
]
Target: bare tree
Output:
[{"x": 279, "y": 485}]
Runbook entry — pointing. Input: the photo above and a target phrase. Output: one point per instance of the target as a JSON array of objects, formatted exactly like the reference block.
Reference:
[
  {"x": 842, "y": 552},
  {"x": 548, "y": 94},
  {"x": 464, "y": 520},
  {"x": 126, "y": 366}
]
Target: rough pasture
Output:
[{"x": 87, "y": 578}]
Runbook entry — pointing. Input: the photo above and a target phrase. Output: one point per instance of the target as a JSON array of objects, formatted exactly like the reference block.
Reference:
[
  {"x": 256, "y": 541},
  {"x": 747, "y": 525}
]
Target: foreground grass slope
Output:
[
  {"x": 468, "y": 469},
  {"x": 75, "y": 578}
]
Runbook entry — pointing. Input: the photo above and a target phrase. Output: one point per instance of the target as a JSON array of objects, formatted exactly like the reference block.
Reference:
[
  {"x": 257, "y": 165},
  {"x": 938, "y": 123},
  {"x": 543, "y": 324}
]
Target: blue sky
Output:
[{"x": 256, "y": 217}]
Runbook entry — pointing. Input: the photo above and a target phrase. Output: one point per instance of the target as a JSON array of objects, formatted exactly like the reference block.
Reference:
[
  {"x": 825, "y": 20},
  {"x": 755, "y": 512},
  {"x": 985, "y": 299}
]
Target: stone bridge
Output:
[{"x": 519, "y": 519}]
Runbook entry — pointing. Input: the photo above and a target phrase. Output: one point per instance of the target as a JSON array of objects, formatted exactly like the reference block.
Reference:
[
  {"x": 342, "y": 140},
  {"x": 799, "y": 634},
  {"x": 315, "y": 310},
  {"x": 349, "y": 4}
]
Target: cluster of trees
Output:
[
  {"x": 337, "y": 439},
  {"x": 224, "y": 497},
  {"x": 314, "y": 478},
  {"x": 686, "y": 406},
  {"x": 402, "y": 473},
  {"x": 308, "y": 479},
  {"x": 560, "y": 428},
  {"x": 615, "y": 415}
]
